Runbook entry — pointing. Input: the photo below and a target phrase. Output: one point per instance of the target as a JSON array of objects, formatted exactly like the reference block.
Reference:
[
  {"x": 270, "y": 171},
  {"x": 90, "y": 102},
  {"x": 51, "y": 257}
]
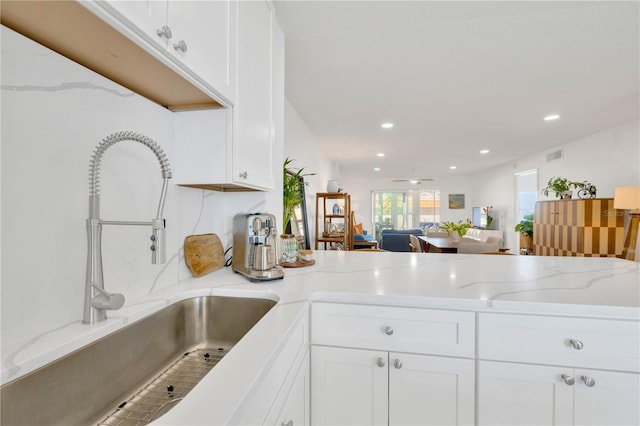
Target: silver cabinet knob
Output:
[
  {"x": 388, "y": 331},
  {"x": 397, "y": 364},
  {"x": 181, "y": 46},
  {"x": 243, "y": 175},
  {"x": 588, "y": 381},
  {"x": 568, "y": 380},
  {"x": 289, "y": 423},
  {"x": 165, "y": 32},
  {"x": 380, "y": 362},
  {"x": 577, "y": 344}
]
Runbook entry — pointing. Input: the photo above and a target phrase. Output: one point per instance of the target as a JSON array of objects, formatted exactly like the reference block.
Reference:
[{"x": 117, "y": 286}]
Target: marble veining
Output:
[
  {"x": 66, "y": 86},
  {"x": 599, "y": 288}
]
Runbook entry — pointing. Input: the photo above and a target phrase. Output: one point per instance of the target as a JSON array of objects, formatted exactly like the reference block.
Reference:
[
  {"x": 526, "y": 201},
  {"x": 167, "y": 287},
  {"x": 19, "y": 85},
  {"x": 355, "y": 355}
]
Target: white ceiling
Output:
[{"x": 456, "y": 77}]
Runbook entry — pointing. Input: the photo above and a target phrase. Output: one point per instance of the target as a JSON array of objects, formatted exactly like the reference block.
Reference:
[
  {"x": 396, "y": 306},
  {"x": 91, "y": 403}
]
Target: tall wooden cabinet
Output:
[
  {"x": 583, "y": 228},
  {"x": 333, "y": 221}
]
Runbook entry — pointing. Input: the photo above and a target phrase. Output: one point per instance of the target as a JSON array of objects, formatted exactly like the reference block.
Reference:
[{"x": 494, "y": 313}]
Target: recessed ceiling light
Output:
[
  {"x": 484, "y": 151},
  {"x": 387, "y": 125},
  {"x": 413, "y": 181},
  {"x": 453, "y": 167},
  {"x": 380, "y": 154},
  {"x": 551, "y": 117},
  {"x": 376, "y": 169}
]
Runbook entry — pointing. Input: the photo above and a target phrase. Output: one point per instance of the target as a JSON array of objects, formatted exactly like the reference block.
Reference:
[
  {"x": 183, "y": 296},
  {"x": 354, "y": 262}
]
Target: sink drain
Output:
[{"x": 165, "y": 391}]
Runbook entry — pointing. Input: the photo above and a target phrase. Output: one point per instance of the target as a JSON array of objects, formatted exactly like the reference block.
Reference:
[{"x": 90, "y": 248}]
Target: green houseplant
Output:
[
  {"x": 525, "y": 228},
  {"x": 292, "y": 186},
  {"x": 526, "y": 225},
  {"x": 451, "y": 227},
  {"x": 560, "y": 186}
]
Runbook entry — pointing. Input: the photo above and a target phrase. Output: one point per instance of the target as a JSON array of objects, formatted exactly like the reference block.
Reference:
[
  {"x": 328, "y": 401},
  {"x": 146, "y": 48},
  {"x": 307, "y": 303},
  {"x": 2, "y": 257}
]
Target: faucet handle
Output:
[
  {"x": 104, "y": 300},
  {"x": 158, "y": 243}
]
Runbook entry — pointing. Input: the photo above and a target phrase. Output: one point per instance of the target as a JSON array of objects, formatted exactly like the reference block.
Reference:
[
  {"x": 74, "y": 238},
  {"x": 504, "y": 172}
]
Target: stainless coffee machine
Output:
[{"x": 254, "y": 247}]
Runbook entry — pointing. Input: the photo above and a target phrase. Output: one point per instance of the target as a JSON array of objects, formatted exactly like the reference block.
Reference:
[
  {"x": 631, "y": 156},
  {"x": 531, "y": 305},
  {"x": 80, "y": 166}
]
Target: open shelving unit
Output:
[{"x": 333, "y": 210}]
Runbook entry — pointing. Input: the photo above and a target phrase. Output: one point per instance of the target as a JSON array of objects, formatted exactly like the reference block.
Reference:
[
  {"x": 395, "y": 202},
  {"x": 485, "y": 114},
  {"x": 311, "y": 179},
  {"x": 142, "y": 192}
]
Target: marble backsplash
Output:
[{"x": 54, "y": 112}]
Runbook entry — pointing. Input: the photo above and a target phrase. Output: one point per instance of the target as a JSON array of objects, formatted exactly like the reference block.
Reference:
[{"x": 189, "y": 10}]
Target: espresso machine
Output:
[{"x": 254, "y": 247}]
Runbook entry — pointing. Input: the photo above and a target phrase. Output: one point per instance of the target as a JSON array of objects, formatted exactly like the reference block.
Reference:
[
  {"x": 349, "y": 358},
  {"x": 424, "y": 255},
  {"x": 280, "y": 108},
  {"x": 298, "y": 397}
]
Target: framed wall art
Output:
[{"x": 456, "y": 201}]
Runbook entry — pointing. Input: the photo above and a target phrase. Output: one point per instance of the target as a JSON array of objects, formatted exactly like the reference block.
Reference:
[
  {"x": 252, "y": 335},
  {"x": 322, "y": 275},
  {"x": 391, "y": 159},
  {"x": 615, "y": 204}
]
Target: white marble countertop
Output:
[{"x": 585, "y": 287}]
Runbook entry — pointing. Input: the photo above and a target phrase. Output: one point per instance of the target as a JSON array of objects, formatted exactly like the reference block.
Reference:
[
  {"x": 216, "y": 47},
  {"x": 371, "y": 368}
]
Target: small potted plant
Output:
[{"x": 560, "y": 186}]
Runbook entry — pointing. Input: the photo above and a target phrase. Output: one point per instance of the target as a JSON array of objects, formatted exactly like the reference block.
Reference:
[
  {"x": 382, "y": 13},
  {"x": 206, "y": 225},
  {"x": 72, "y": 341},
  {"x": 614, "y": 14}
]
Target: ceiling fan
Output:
[{"x": 414, "y": 181}]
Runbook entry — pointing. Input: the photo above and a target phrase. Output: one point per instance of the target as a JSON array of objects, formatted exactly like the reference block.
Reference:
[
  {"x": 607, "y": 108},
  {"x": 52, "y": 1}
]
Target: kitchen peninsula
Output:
[{"x": 488, "y": 301}]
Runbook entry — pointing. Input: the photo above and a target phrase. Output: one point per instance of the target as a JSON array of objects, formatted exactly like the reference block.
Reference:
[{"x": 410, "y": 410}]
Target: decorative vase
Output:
[
  {"x": 455, "y": 236},
  {"x": 332, "y": 186},
  {"x": 566, "y": 195}
]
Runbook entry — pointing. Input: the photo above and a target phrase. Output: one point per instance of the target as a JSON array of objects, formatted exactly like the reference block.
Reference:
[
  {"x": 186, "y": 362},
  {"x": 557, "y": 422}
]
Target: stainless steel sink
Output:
[{"x": 136, "y": 374}]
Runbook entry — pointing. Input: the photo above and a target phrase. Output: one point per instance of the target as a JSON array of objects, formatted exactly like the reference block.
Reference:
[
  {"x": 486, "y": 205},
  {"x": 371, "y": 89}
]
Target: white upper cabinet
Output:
[
  {"x": 253, "y": 115},
  {"x": 198, "y": 36},
  {"x": 232, "y": 149}
]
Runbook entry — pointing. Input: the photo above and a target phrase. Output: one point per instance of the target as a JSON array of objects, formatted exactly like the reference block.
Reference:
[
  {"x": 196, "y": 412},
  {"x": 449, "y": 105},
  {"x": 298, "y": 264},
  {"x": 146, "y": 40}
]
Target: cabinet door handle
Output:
[
  {"x": 181, "y": 46},
  {"x": 165, "y": 32},
  {"x": 243, "y": 175},
  {"x": 388, "y": 331},
  {"x": 568, "y": 380},
  {"x": 589, "y": 381},
  {"x": 380, "y": 362},
  {"x": 397, "y": 364},
  {"x": 289, "y": 423},
  {"x": 577, "y": 344}
]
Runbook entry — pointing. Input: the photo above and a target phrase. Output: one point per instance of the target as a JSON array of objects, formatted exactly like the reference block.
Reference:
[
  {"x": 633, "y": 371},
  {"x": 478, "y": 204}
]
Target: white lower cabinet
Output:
[
  {"x": 295, "y": 410},
  {"x": 348, "y": 387},
  {"x": 366, "y": 387},
  {"x": 525, "y": 394},
  {"x": 430, "y": 390},
  {"x": 549, "y": 370},
  {"x": 385, "y": 365}
]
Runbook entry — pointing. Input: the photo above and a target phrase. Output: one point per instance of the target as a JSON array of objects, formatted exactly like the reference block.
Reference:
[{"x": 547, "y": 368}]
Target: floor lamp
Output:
[{"x": 628, "y": 198}]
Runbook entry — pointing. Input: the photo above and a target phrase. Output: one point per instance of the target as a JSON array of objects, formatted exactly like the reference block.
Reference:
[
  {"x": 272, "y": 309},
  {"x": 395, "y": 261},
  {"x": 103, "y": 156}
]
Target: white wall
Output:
[
  {"x": 301, "y": 145},
  {"x": 54, "y": 112}
]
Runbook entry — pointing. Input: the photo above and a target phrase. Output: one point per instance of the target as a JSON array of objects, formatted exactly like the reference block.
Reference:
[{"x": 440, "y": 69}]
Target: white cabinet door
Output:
[
  {"x": 612, "y": 399},
  {"x": 521, "y": 394},
  {"x": 348, "y": 386},
  {"x": 208, "y": 29},
  {"x": 200, "y": 36},
  {"x": 148, "y": 16},
  {"x": 428, "y": 390},
  {"x": 252, "y": 115},
  {"x": 295, "y": 411}
]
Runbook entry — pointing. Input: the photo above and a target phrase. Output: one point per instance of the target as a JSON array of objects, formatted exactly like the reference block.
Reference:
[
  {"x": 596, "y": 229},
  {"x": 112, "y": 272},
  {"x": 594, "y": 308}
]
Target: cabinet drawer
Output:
[
  {"x": 427, "y": 331},
  {"x": 607, "y": 344}
]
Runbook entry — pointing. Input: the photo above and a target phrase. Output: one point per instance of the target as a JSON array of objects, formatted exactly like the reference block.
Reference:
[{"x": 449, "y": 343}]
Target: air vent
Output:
[{"x": 555, "y": 155}]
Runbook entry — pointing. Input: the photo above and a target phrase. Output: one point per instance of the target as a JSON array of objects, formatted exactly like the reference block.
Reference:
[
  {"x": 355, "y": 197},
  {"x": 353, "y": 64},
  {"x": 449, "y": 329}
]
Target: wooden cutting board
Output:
[{"x": 203, "y": 254}]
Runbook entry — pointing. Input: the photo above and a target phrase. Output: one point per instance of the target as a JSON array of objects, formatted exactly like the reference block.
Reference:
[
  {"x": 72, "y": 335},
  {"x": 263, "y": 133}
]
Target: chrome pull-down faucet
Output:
[{"x": 96, "y": 300}]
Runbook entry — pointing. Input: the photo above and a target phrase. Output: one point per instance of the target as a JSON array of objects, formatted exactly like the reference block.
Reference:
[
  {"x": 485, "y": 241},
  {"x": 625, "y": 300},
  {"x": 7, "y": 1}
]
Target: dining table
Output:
[{"x": 439, "y": 244}]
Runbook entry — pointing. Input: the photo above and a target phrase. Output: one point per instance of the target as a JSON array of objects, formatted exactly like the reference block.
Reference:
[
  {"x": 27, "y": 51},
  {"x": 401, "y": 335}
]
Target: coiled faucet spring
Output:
[{"x": 97, "y": 300}]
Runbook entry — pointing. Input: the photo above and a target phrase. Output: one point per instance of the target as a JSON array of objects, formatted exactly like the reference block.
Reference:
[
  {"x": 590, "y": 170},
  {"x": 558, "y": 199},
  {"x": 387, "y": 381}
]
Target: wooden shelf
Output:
[{"x": 324, "y": 214}]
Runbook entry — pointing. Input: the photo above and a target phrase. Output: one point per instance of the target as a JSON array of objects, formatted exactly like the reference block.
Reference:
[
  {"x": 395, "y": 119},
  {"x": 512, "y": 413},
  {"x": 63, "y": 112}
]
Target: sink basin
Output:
[{"x": 136, "y": 374}]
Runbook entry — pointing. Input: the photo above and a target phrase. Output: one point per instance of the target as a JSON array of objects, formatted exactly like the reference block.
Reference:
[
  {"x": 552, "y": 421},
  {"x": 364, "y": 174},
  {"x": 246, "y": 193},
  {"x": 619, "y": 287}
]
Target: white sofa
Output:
[{"x": 480, "y": 241}]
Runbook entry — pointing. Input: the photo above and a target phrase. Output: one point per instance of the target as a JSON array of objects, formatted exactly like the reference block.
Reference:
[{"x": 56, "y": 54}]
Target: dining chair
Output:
[{"x": 415, "y": 244}]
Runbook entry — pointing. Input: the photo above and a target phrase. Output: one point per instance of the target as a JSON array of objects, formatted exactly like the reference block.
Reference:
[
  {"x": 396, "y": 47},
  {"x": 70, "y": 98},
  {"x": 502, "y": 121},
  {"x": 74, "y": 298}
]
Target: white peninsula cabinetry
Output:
[
  {"x": 537, "y": 370},
  {"x": 197, "y": 36},
  {"x": 374, "y": 365}
]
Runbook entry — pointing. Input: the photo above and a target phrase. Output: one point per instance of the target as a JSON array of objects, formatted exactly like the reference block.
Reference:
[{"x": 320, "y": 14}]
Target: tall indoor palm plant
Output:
[{"x": 292, "y": 189}]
